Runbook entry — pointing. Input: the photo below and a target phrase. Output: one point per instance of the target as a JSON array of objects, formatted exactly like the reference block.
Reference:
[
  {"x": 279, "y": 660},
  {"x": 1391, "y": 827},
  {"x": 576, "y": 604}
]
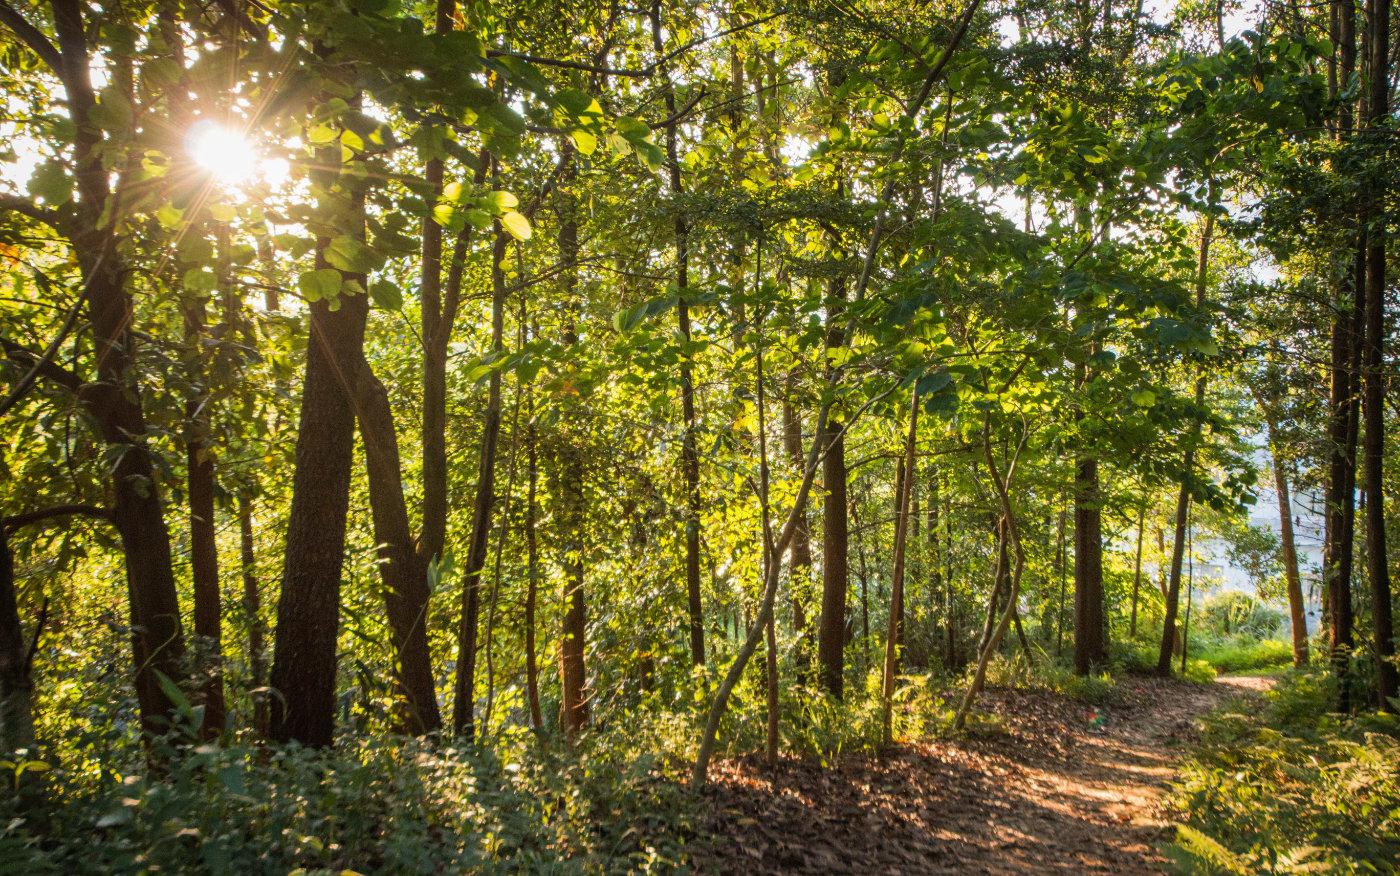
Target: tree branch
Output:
[{"x": 31, "y": 36}]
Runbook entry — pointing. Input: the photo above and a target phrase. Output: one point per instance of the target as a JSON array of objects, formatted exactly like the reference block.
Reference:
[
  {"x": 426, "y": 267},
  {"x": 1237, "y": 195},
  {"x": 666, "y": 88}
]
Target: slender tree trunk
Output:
[
  {"x": 1013, "y": 535},
  {"x": 1090, "y": 641},
  {"x": 401, "y": 568},
  {"x": 464, "y": 704},
  {"x": 1001, "y": 572},
  {"x": 16, "y": 685},
  {"x": 1137, "y": 572},
  {"x": 1296, "y": 614},
  {"x": 572, "y": 669},
  {"x": 690, "y": 456},
  {"x": 115, "y": 398},
  {"x": 532, "y": 565},
  {"x": 1188, "y": 463},
  {"x": 1345, "y": 347},
  {"x": 204, "y": 546},
  {"x": 800, "y": 555},
  {"x": 895, "y": 634},
  {"x": 252, "y": 611},
  {"x": 1060, "y": 566},
  {"x": 1374, "y": 379}
]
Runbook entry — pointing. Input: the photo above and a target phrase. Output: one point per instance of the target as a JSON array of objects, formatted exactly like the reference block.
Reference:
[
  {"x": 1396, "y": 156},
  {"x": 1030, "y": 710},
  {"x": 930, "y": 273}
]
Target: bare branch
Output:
[{"x": 31, "y": 36}]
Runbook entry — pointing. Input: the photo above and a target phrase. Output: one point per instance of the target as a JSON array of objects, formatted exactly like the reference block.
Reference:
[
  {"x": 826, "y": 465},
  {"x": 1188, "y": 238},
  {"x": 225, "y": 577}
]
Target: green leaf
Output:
[
  {"x": 51, "y": 182},
  {"x": 1144, "y": 398},
  {"x": 170, "y": 217},
  {"x": 516, "y": 224},
  {"x": 586, "y": 142},
  {"x": 351, "y": 255},
  {"x": 501, "y": 202},
  {"x": 199, "y": 281},
  {"x": 319, "y": 284},
  {"x": 386, "y": 295}
]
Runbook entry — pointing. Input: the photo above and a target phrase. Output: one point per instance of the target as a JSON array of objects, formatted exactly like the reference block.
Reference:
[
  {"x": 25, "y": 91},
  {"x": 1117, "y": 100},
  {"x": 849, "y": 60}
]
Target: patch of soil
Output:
[{"x": 1053, "y": 790}]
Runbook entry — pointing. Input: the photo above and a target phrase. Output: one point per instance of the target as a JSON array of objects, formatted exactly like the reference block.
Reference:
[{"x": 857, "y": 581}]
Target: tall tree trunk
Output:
[
  {"x": 402, "y": 569},
  {"x": 1061, "y": 565},
  {"x": 831, "y": 627},
  {"x": 1188, "y": 463},
  {"x": 532, "y": 565},
  {"x": 16, "y": 685},
  {"x": 116, "y": 398},
  {"x": 252, "y": 611},
  {"x": 573, "y": 673},
  {"x": 200, "y": 488},
  {"x": 1340, "y": 491},
  {"x": 1296, "y": 614},
  {"x": 1374, "y": 376},
  {"x": 894, "y": 636},
  {"x": 302, "y": 709},
  {"x": 690, "y": 455},
  {"x": 1137, "y": 572},
  {"x": 1090, "y": 641},
  {"x": 464, "y": 705},
  {"x": 800, "y": 554}
]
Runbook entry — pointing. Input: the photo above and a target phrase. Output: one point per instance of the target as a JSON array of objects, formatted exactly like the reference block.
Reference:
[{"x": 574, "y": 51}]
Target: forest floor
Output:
[{"x": 1043, "y": 788}]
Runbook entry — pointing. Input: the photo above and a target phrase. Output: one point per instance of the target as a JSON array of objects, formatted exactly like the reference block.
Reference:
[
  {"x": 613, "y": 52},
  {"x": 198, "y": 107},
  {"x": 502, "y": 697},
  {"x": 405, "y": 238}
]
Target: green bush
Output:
[
  {"x": 1291, "y": 788},
  {"x": 382, "y": 805},
  {"x": 1245, "y": 654}
]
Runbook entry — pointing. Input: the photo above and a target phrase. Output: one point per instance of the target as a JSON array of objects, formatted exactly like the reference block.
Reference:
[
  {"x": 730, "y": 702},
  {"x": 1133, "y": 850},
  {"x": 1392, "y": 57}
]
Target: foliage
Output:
[{"x": 1291, "y": 788}]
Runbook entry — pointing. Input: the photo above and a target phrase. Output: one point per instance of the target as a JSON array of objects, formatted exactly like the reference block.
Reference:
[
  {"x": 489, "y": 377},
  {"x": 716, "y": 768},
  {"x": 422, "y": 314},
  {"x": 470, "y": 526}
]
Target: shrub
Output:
[{"x": 1291, "y": 788}]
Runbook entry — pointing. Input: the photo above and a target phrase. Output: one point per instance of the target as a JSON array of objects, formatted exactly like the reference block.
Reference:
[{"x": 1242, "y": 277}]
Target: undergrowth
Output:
[{"x": 1291, "y": 788}]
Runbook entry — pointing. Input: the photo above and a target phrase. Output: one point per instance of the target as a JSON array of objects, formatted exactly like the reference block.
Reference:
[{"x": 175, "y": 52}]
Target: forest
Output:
[{"x": 733, "y": 436}]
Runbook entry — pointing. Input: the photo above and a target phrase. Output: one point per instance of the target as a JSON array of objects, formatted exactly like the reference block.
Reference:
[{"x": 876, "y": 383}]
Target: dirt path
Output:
[{"x": 1048, "y": 792}]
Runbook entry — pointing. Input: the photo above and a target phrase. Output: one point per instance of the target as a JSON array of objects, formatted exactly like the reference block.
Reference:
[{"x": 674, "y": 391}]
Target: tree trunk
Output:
[
  {"x": 532, "y": 566},
  {"x": 16, "y": 686},
  {"x": 204, "y": 546},
  {"x": 1296, "y": 614},
  {"x": 573, "y": 673},
  {"x": 116, "y": 398},
  {"x": 895, "y": 633},
  {"x": 1188, "y": 463},
  {"x": 1090, "y": 641},
  {"x": 401, "y": 568},
  {"x": 464, "y": 705},
  {"x": 1345, "y": 349},
  {"x": 1137, "y": 572},
  {"x": 252, "y": 611},
  {"x": 308, "y": 609},
  {"x": 800, "y": 554},
  {"x": 690, "y": 456},
  {"x": 1374, "y": 377}
]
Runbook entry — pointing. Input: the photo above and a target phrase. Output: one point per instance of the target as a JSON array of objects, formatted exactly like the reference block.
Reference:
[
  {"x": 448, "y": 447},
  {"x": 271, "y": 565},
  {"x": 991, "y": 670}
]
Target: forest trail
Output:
[{"x": 1042, "y": 790}]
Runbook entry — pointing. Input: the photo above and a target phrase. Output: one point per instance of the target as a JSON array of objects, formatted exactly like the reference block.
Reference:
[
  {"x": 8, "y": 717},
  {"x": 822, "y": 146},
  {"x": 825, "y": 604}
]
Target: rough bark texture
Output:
[
  {"x": 573, "y": 673},
  {"x": 204, "y": 546},
  {"x": 16, "y": 687},
  {"x": 308, "y": 610},
  {"x": 831, "y": 632},
  {"x": 1296, "y": 615},
  {"x": 401, "y": 568},
  {"x": 1374, "y": 378},
  {"x": 115, "y": 399},
  {"x": 1090, "y": 639}
]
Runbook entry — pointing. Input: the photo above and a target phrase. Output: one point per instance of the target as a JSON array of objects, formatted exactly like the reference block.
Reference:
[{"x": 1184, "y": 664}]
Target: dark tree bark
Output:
[
  {"x": 690, "y": 456},
  {"x": 1137, "y": 572},
  {"x": 252, "y": 611},
  {"x": 115, "y": 399},
  {"x": 573, "y": 673},
  {"x": 894, "y": 637},
  {"x": 1090, "y": 639},
  {"x": 463, "y": 705},
  {"x": 1374, "y": 375},
  {"x": 1188, "y": 465},
  {"x": 308, "y": 610},
  {"x": 831, "y": 630},
  {"x": 204, "y": 546},
  {"x": 16, "y": 685},
  {"x": 532, "y": 565},
  {"x": 401, "y": 568},
  {"x": 800, "y": 554},
  {"x": 1345, "y": 348}
]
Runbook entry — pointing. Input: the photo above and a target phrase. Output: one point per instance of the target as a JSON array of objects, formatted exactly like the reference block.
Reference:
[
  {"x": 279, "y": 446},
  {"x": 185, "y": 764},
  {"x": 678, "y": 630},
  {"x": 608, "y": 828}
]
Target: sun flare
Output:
[{"x": 225, "y": 153}]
